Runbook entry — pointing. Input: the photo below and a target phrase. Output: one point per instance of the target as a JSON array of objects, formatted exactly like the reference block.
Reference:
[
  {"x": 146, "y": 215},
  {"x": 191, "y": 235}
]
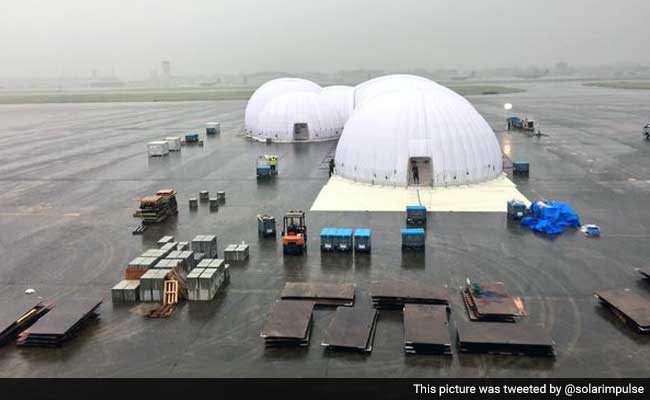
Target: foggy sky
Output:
[{"x": 72, "y": 37}]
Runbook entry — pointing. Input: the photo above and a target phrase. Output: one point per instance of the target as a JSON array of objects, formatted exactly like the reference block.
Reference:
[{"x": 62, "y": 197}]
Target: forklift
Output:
[{"x": 294, "y": 233}]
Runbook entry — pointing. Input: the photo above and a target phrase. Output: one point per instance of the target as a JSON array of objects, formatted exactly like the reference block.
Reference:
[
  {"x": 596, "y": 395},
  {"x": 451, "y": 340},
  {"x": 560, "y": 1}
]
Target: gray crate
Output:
[
  {"x": 164, "y": 240},
  {"x": 230, "y": 252},
  {"x": 131, "y": 291},
  {"x": 206, "y": 244},
  {"x": 169, "y": 247},
  {"x": 117, "y": 292},
  {"x": 158, "y": 254},
  {"x": 242, "y": 252},
  {"x": 193, "y": 283},
  {"x": 142, "y": 263}
]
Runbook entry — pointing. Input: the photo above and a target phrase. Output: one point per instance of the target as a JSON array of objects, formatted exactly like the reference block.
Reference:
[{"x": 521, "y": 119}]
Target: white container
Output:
[
  {"x": 157, "y": 149},
  {"x": 174, "y": 143}
]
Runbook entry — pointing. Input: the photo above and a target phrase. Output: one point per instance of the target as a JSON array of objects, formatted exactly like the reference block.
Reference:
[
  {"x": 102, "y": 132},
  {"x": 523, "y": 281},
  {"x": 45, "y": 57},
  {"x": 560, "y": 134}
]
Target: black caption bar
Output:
[{"x": 330, "y": 389}]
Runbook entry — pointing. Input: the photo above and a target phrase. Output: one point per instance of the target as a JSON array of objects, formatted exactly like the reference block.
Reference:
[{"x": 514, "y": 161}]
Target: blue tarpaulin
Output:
[{"x": 551, "y": 217}]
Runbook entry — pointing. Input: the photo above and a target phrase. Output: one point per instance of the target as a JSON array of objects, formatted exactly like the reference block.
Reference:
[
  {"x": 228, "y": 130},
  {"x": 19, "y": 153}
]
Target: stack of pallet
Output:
[
  {"x": 60, "y": 324},
  {"x": 207, "y": 279},
  {"x": 394, "y": 295},
  {"x": 289, "y": 324},
  {"x": 206, "y": 244},
  {"x": 126, "y": 291},
  {"x": 491, "y": 302},
  {"x": 236, "y": 252}
]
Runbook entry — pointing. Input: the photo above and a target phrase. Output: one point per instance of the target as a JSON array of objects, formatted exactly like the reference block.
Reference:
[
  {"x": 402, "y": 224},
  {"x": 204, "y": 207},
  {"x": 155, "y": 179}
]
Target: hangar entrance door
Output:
[
  {"x": 300, "y": 131},
  {"x": 424, "y": 168}
]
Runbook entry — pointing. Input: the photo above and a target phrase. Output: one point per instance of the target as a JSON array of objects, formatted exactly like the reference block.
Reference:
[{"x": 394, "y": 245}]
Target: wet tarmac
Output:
[{"x": 71, "y": 175}]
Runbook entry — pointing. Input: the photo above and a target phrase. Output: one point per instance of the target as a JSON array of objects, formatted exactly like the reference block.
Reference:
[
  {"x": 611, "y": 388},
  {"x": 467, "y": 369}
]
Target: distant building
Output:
[{"x": 166, "y": 69}]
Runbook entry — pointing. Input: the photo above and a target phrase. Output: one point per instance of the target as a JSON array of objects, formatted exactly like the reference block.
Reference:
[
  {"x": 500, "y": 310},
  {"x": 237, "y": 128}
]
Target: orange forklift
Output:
[{"x": 294, "y": 233}]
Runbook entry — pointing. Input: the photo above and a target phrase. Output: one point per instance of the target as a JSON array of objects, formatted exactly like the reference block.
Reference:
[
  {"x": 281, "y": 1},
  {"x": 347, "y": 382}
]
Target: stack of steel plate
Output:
[
  {"x": 60, "y": 324},
  {"x": 351, "y": 329},
  {"x": 127, "y": 291},
  {"x": 164, "y": 240},
  {"x": 490, "y": 302},
  {"x": 425, "y": 329},
  {"x": 15, "y": 318},
  {"x": 289, "y": 324},
  {"x": 152, "y": 286},
  {"x": 206, "y": 244},
  {"x": 186, "y": 257},
  {"x": 509, "y": 339},
  {"x": 323, "y": 294},
  {"x": 631, "y": 308},
  {"x": 139, "y": 266},
  {"x": 393, "y": 294}
]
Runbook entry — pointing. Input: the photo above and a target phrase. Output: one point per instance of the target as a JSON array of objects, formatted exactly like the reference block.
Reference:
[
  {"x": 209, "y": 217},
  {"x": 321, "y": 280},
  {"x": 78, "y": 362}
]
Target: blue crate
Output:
[
  {"x": 362, "y": 240},
  {"x": 520, "y": 167},
  {"x": 413, "y": 238},
  {"x": 327, "y": 239},
  {"x": 416, "y": 214},
  {"x": 343, "y": 239},
  {"x": 192, "y": 137}
]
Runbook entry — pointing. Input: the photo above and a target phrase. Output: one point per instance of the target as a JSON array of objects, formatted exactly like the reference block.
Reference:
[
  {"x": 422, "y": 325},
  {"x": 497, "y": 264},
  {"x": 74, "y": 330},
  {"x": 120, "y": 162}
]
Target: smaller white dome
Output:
[
  {"x": 297, "y": 116},
  {"x": 268, "y": 91}
]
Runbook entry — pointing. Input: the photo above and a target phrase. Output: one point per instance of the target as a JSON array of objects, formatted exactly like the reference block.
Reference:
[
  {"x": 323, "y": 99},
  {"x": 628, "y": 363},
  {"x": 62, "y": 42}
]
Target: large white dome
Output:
[
  {"x": 268, "y": 91},
  {"x": 391, "y": 83},
  {"x": 298, "y": 116},
  {"x": 438, "y": 130}
]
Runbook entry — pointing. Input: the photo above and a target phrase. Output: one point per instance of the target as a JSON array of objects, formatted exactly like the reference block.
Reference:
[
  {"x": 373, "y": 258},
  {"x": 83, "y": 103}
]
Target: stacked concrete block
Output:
[
  {"x": 168, "y": 263},
  {"x": 206, "y": 244},
  {"x": 158, "y": 254},
  {"x": 192, "y": 280},
  {"x": 183, "y": 246},
  {"x": 139, "y": 266}
]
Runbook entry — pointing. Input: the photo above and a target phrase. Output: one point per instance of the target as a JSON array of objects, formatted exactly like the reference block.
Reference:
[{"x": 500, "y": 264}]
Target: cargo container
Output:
[
  {"x": 413, "y": 238},
  {"x": 157, "y": 149},
  {"x": 362, "y": 240},
  {"x": 174, "y": 143}
]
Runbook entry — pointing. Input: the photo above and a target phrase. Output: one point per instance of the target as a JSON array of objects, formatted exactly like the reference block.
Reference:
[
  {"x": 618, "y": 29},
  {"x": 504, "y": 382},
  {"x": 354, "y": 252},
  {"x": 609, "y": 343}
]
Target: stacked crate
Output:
[
  {"x": 186, "y": 257},
  {"x": 127, "y": 291},
  {"x": 138, "y": 266},
  {"x": 152, "y": 284},
  {"x": 164, "y": 240},
  {"x": 205, "y": 281},
  {"x": 206, "y": 244},
  {"x": 236, "y": 252}
]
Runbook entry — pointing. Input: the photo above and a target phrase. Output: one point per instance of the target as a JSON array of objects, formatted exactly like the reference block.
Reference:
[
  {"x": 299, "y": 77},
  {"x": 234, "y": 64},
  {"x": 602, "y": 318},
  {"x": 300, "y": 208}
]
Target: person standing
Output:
[
  {"x": 332, "y": 165},
  {"x": 416, "y": 174}
]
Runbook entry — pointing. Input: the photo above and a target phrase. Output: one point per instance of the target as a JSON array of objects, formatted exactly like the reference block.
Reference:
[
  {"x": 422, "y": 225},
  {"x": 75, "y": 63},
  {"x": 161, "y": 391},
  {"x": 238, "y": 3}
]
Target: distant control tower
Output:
[{"x": 166, "y": 69}]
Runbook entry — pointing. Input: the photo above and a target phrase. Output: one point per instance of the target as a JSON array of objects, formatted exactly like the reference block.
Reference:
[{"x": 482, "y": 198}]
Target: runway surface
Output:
[{"x": 71, "y": 175}]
